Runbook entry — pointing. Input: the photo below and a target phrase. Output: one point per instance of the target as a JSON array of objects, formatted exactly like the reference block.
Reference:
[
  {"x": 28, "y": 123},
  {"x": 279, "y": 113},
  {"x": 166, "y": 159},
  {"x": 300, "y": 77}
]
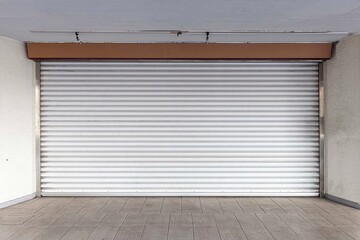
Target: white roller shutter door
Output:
[{"x": 179, "y": 128}]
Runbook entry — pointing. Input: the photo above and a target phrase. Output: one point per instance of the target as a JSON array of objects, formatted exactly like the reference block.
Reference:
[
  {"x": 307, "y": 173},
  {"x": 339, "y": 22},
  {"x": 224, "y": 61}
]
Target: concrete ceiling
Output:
[{"x": 23, "y": 19}]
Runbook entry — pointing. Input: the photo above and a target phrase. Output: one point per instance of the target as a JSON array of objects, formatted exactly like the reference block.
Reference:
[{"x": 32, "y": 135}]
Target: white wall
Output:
[
  {"x": 17, "y": 144},
  {"x": 342, "y": 121}
]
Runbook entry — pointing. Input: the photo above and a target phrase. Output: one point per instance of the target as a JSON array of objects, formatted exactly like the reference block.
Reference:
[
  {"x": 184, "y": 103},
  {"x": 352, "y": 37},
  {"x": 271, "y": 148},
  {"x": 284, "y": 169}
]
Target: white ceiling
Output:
[{"x": 18, "y": 18}]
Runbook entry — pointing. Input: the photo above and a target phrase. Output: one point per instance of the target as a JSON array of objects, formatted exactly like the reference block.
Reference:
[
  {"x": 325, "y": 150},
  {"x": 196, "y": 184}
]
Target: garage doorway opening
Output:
[{"x": 179, "y": 128}]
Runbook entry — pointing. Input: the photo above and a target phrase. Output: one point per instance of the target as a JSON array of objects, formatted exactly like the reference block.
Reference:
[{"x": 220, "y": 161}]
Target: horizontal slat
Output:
[
  {"x": 209, "y": 109},
  {"x": 193, "y": 175},
  {"x": 179, "y": 164},
  {"x": 178, "y": 67},
  {"x": 177, "y": 149},
  {"x": 178, "y": 63},
  {"x": 198, "y": 94},
  {"x": 180, "y": 193},
  {"x": 159, "y": 89},
  {"x": 179, "y": 186},
  {"x": 174, "y": 134},
  {"x": 178, "y": 180},
  {"x": 190, "y": 140},
  {"x": 179, "y": 144},
  {"x": 178, "y": 169},
  {"x": 290, "y": 70},
  {"x": 180, "y": 128},
  {"x": 176, "y": 104},
  {"x": 188, "y": 79},
  {"x": 205, "y": 117},
  {"x": 48, "y": 126},
  {"x": 162, "y": 83},
  {"x": 186, "y": 159},
  {"x": 178, "y": 123},
  {"x": 163, "y": 92},
  {"x": 137, "y": 98},
  {"x": 180, "y": 154},
  {"x": 179, "y": 73}
]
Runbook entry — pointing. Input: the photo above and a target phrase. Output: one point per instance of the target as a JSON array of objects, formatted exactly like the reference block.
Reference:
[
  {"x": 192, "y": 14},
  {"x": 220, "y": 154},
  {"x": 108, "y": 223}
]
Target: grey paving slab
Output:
[
  {"x": 114, "y": 205},
  {"x": 249, "y": 205},
  {"x": 316, "y": 220},
  {"x": 333, "y": 233},
  {"x": 206, "y": 233},
  {"x": 152, "y": 205},
  {"x": 129, "y": 232},
  {"x": 7, "y": 231},
  {"x": 171, "y": 205},
  {"x": 228, "y": 226},
  {"x": 78, "y": 233},
  {"x": 339, "y": 220},
  {"x": 133, "y": 205},
  {"x": 268, "y": 205},
  {"x": 229, "y": 205},
  {"x": 42, "y": 219},
  {"x": 190, "y": 205},
  {"x": 253, "y": 227},
  {"x": 181, "y": 219},
  {"x": 94, "y": 205},
  {"x": 177, "y": 232},
  {"x": 277, "y": 227},
  {"x": 353, "y": 217},
  {"x": 33, "y": 206},
  {"x": 68, "y": 219},
  {"x": 287, "y": 205},
  {"x": 157, "y": 219},
  {"x": 53, "y": 233},
  {"x": 301, "y": 227},
  {"x": 307, "y": 206},
  {"x": 75, "y": 205},
  {"x": 27, "y": 233},
  {"x": 135, "y": 219},
  {"x": 210, "y": 204},
  {"x": 90, "y": 219},
  {"x": 307, "y": 232},
  {"x": 155, "y": 233},
  {"x": 55, "y": 206},
  {"x": 15, "y": 219},
  {"x": 113, "y": 219},
  {"x": 353, "y": 232},
  {"x": 103, "y": 233}
]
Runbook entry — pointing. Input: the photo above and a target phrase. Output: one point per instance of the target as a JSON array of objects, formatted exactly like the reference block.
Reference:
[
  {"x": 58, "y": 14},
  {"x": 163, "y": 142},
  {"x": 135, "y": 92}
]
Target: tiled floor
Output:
[{"x": 178, "y": 218}]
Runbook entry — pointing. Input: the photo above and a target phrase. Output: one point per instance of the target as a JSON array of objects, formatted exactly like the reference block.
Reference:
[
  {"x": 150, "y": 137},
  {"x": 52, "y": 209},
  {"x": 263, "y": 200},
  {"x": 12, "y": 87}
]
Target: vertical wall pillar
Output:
[
  {"x": 342, "y": 122},
  {"x": 17, "y": 145}
]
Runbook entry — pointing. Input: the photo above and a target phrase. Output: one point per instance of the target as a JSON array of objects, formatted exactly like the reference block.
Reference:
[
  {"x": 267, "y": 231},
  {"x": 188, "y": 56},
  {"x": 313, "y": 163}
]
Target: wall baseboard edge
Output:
[
  {"x": 17, "y": 200},
  {"x": 342, "y": 201}
]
